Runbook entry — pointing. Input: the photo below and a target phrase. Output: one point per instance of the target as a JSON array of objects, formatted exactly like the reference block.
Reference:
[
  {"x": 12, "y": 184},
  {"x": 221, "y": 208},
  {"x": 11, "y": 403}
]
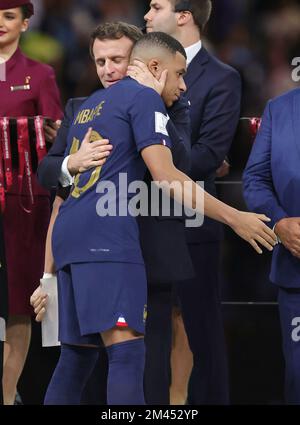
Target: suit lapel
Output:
[
  {"x": 196, "y": 67},
  {"x": 296, "y": 120}
]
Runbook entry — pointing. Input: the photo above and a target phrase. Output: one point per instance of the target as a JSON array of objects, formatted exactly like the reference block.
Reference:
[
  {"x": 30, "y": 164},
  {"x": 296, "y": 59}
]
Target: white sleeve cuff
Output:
[
  {"x": 65, "y": 178},
  {"x": 48, "y": 275}
]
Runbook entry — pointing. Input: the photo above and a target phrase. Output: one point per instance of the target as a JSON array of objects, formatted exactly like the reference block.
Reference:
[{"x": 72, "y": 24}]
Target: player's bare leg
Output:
[
  {"x": 118, "y": 334},
  {"x": 181, "y": 361},
  {"x": 16, "y": 347}
]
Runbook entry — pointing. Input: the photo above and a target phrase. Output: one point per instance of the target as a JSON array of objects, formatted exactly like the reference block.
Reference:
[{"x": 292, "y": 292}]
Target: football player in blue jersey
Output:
[{"x": 100, "y": 267}]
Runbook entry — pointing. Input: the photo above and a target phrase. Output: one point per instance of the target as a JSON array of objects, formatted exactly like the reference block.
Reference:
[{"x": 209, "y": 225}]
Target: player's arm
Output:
[
  {"x": 38, "y": 299},
  {"x": 248, "y": 226}
]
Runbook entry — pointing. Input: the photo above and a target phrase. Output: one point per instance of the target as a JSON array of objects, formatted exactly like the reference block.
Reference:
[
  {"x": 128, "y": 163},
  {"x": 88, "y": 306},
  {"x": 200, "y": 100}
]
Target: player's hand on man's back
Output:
[{"x": 251, "y": 228}]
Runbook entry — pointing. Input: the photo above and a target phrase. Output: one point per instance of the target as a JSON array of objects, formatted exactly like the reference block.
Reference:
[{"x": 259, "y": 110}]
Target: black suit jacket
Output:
[
  {"x": 163, "y": 241},
  {"x": 214, "y": 92}
]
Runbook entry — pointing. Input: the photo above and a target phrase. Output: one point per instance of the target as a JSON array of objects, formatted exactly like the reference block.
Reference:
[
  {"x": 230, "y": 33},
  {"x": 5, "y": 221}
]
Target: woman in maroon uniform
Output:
[{"x": 29, "y": 89}]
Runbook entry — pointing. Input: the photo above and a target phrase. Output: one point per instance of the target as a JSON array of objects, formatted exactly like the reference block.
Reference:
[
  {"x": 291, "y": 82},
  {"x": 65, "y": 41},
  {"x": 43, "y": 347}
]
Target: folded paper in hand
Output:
[{"x": 50, "y": 321}]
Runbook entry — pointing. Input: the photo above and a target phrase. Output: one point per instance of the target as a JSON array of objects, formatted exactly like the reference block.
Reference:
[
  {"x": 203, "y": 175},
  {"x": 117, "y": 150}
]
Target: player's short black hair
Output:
[
  {"x": 163, "y": 40},
  {"x": 200, "y": 9},
  {"x": 114, "y": 31}
]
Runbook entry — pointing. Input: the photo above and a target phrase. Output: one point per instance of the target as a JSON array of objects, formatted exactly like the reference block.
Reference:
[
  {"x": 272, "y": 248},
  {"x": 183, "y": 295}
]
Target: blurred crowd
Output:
[{"x": 259, "y": 38}]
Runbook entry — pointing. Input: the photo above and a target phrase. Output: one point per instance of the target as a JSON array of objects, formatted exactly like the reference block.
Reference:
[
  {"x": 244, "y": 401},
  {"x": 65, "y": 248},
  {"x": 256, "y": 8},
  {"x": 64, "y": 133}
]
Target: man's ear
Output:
[
  {"x": 155, "y": 68},
  {"x": 183, "y": 18}
]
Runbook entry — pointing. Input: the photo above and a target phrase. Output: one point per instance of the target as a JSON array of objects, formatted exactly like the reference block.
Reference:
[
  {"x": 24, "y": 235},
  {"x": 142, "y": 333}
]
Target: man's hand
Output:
[
  {"x": 50, "y": 129},
  {"x": 223, "y": 170},
  {"x": 288, "y": 230},
  {"x": 90, "y": 154},
  {"x": 251, "y": 227},
  {"x": 38, "y": 300},
  {"x": 140, "y": 72}
]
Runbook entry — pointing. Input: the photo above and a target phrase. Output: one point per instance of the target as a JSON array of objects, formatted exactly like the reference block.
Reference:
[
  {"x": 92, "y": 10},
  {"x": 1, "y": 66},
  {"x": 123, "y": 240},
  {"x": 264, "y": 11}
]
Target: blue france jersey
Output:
[{"x": 132, "y": 117}]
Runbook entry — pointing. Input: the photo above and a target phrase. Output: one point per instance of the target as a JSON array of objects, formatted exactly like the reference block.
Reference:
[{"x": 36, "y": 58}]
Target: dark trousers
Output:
[
  {"x": 200, "y": 304},
  {"x": 289, "y": 310},
  {"x": 158, "y": 340}
]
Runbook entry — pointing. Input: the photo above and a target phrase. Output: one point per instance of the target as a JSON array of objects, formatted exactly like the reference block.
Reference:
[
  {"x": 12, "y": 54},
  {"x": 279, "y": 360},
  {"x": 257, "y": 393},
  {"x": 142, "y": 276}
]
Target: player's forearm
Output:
[
  {"x": 49, "y": 260},
  {"x": 186, "y": 191}
]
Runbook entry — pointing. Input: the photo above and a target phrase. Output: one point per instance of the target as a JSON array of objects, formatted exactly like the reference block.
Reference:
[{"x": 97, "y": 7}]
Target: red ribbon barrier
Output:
[
  {"x": 25, "y": 167},
  {"x": 40, "y": 138}
]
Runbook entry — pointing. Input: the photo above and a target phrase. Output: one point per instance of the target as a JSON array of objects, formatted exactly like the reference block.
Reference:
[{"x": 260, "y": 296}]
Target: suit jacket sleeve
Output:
[
  {"x": 259, "y": 192},
  {"x": 219, "y": 121},
  {"x": 49, "y": 168},
  {"x": 179, "y": 128}
]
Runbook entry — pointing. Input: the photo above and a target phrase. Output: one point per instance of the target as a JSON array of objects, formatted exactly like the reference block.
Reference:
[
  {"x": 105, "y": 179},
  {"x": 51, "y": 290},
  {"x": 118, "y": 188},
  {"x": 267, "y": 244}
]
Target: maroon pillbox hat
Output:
[{"x": 10, "y": 4}]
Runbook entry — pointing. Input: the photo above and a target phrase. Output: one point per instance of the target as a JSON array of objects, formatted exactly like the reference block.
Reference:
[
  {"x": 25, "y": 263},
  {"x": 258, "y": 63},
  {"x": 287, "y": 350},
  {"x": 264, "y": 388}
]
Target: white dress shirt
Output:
[{"x": 192, "y": 51}]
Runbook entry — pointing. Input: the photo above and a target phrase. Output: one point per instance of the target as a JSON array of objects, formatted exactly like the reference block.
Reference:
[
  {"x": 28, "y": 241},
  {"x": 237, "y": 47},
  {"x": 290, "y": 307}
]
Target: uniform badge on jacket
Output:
[{"x": 25, "y": 86}]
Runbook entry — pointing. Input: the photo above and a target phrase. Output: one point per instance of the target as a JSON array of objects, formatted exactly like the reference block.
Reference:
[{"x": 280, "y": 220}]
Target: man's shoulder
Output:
[
  {"x": 75, "y": 102},
  {"x": 285, "y": 99},
  {"x": 215, "y": 73},
  {"x": 220, "y": 67}
]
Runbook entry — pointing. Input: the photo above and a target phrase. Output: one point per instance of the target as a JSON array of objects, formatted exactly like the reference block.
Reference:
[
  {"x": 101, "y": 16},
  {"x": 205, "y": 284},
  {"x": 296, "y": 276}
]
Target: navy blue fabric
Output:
[
  {"x": 92, "y": 297},
  {"x": 163, "y": 245},
  {"x": 72, "y": 371},
  {"x": 214, "y": 92},
  {"x": 158, "y": 340},
  {"x": 175, "y": 264},
  {"x": 130, "y": 125},
  {"x": 289, "y": 309},
  {"x": 126, "y": 373},
  {"x": 272, "y": 177},
  {"x": 49, "y": 168},
  {"x": 200, "y": 302}
]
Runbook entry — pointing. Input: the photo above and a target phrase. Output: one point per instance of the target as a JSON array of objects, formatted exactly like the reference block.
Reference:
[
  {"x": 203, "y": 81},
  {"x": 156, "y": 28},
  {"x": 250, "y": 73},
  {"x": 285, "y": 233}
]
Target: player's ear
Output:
[{"x": 155, "y": 68}]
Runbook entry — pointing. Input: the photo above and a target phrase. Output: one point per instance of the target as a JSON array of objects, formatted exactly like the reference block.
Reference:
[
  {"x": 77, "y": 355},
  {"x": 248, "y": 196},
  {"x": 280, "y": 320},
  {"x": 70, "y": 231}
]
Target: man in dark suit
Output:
[
  {"x": 271, "y": 185},
  {"x": 214, "y": 91},
  {"x": 163, "y": 242}
]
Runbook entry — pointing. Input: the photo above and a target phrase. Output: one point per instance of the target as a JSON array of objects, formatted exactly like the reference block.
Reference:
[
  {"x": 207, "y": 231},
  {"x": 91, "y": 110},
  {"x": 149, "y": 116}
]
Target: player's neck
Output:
[{"x": 6, "y": 52}]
